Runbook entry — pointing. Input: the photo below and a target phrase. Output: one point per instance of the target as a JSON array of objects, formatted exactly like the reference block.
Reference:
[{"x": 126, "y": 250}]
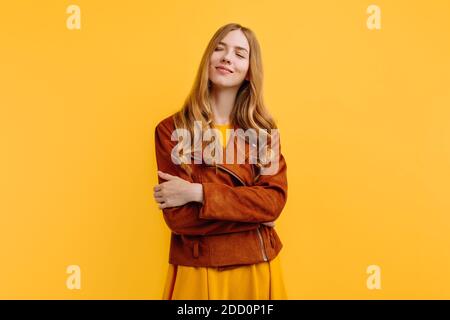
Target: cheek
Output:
[
  {"x": 242, "y": 68},
  {"x": 215, "y": 57}
]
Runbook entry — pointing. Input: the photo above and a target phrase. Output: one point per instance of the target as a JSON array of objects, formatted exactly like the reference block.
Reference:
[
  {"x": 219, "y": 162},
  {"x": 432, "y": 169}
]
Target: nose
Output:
[{"x": 226, "y": 58}]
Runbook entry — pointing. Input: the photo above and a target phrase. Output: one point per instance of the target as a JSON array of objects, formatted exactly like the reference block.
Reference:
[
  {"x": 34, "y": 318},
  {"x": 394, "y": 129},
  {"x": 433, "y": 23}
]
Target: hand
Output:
[
  {"x": 270, "y": 224},
  {"x": 176, "y": 191}
]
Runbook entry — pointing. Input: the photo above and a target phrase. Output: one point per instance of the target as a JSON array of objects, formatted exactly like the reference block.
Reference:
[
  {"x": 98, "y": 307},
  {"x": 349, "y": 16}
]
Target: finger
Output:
[
  {"x": 158, "y": 194},
  {"x": 157, "y": 187},
  {"x": 159, "y": 200},
  {"x": 163, "y": 205},
  {"x": 166, "y": 176}
]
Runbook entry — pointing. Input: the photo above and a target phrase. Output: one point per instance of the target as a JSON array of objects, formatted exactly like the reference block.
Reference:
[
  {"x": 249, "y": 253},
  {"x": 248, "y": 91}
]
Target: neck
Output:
[{"x": 222, "y": 100}]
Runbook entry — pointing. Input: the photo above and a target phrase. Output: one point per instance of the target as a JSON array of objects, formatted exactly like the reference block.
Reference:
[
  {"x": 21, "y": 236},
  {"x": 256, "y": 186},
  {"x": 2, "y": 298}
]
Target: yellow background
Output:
[{"x": 364, "y": 117}]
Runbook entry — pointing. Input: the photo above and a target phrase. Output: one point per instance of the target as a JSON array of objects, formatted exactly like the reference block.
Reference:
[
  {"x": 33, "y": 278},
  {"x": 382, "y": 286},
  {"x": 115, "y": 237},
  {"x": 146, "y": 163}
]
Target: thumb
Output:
[{"x": 166, "y": 176}]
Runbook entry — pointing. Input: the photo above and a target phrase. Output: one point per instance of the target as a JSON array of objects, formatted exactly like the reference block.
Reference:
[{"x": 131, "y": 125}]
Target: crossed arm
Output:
[{"x": 199, "y": 208}]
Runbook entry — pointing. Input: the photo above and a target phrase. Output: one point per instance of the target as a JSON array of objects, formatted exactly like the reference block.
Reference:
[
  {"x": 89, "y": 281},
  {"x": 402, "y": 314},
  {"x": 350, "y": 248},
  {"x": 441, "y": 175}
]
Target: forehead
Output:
[{"x": 236, "y": 38}]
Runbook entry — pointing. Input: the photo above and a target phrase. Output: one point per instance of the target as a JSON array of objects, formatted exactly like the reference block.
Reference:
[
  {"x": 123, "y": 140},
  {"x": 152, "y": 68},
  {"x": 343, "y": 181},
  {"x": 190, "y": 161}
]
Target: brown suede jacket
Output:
[{"x": 225, "y": 230}]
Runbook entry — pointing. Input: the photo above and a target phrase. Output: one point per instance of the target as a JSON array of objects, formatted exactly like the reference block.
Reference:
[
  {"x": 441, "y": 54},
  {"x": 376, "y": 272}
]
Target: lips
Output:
[{"x": 224, "y": 69}]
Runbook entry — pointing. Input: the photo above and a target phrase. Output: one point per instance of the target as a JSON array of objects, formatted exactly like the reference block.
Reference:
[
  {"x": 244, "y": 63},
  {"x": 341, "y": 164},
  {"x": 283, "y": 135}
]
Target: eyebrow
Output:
[{"x": 237, "y": 47}]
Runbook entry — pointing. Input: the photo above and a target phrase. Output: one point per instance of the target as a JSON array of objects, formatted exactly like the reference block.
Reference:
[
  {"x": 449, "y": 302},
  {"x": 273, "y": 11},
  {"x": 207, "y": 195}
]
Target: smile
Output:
[{"x": 223, "y": 70}]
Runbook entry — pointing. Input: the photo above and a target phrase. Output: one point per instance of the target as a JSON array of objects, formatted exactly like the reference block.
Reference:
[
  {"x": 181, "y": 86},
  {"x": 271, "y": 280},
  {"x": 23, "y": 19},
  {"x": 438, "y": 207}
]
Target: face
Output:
[{"x": 229, "y": 61}]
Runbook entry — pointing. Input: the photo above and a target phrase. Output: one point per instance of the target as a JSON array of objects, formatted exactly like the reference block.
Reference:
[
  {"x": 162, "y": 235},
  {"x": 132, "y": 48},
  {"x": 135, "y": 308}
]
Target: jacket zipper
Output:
[
  {"x": 230, "y": 172},
  {"x": 261, "y": 242}
]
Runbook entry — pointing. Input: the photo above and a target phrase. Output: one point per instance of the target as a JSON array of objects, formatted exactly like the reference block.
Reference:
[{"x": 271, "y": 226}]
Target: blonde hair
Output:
[{"x": 249, "y": 111}]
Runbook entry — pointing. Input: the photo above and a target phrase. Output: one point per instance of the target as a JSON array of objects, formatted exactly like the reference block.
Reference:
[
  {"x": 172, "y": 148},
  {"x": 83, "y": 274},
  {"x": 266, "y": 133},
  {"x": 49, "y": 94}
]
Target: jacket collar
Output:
[{"x": 241, "y": 147}]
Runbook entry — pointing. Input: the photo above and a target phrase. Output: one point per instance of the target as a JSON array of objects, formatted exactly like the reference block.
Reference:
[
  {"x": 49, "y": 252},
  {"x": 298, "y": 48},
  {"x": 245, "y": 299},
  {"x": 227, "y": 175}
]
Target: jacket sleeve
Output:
[
  {"x": 185, "y": 219},
  {"x": 261, "y": 202}
]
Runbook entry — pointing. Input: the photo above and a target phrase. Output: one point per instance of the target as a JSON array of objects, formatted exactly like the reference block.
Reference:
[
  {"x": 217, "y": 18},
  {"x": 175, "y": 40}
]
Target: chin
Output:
[
  {"x": 220, "y": 84},
  {"x": 224, "y": 84}
]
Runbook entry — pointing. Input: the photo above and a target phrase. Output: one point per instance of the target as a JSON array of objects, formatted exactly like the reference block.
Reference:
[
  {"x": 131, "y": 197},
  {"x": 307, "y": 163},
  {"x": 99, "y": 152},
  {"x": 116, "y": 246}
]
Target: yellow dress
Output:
[{"x": 261, "y": 281}]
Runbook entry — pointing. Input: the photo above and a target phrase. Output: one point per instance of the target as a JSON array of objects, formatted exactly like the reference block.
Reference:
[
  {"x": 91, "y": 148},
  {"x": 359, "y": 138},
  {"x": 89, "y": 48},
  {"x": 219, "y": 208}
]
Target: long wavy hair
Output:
[{"x": 249, "y": 111}]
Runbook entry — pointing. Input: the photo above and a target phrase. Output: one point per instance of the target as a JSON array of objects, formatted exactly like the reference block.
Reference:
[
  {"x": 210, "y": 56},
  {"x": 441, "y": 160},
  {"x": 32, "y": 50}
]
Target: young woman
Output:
[{"x": 221, "y": 213}]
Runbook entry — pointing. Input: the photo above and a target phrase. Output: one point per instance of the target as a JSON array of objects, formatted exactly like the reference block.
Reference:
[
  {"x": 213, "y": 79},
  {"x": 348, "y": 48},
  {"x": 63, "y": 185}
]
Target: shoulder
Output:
[{"x": 165, "y": 126}]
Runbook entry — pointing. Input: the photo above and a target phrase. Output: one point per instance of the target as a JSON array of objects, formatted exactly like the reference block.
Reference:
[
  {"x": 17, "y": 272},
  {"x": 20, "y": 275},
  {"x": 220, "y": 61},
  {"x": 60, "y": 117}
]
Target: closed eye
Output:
[{"x": 239, "y": 55}]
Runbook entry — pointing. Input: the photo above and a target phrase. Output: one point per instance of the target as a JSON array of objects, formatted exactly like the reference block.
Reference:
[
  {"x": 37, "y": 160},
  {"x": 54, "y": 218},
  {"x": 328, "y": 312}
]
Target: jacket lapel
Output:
[{"x": 240, "y": 147}]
